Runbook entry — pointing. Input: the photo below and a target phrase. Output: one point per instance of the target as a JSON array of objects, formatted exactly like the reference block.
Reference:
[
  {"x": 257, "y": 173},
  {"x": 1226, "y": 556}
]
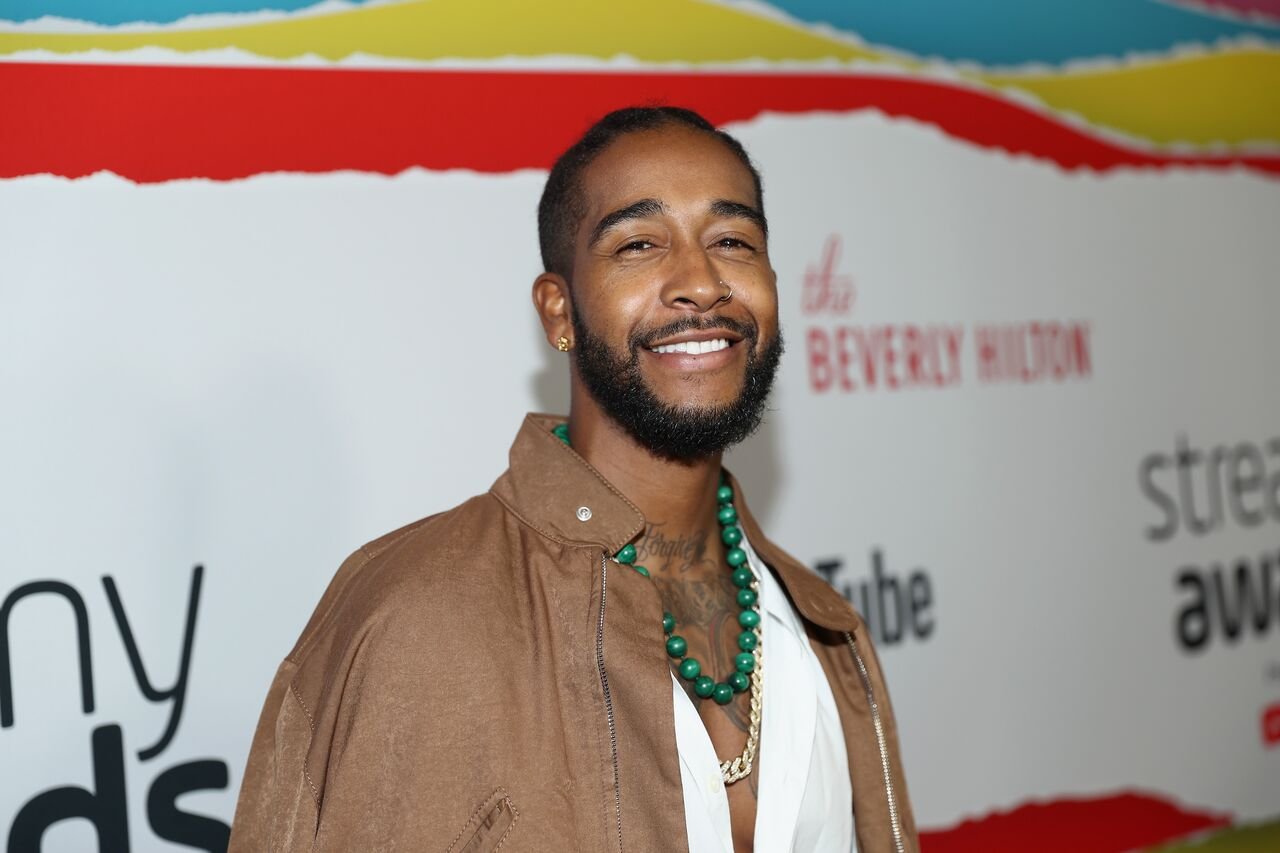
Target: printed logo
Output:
[
  {"x": 105, "y": 804},
  {"x": 1202, "y": 491},
  {"x": 897, "y": 606},
  {"x": 826, "y": 291},
  {"x": 850, "y": 358}
]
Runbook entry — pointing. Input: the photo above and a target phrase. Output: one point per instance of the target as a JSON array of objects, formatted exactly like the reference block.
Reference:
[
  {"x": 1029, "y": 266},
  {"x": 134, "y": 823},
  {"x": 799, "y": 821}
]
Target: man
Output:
[{"x": 603, "y": 652}]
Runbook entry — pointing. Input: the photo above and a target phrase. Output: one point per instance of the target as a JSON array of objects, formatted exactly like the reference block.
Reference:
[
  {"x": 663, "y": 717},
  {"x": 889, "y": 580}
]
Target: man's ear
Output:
[{"x": 555, "y": 309}]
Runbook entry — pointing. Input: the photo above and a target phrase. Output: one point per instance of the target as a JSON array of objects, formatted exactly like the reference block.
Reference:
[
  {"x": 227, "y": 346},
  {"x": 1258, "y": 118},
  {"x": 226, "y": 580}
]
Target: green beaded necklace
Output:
[{"x": 744, "y": 579}]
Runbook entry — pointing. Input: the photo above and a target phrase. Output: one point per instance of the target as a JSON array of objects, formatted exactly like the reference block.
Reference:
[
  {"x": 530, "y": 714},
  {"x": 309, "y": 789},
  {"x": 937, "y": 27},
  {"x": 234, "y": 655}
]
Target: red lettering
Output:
[
  {"x": 845, "y": 358},
  {"x": 1080, "y": 349},
  {"x": 988, "y": 355},
  {"x": 1271, "y": 725},
  {"x": 866, "y": 347},
  {"x": 954, "y": 339},
  {"x": 911, "y": 354},
  {"x": 819, "y": 359},
  {"x": 889, "y": 357},
  {"x": 823, "y": 289},
  {"x": 1018, "y": 349}
]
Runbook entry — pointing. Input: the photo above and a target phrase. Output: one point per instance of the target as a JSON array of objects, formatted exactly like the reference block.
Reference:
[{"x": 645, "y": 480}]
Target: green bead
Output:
[
  {"x": 642, "y": 570},
  {"x": 676, "y": 646},
  {"x": 704, "y": 686},
  {"x": 724, "y": 494},
  {"x": 690, "y": 668},
  {"x": 747, "y": 619},
  {"x": 748, "y": 640},
  {"x": 742, "y": 577},
  {"x": 744, "y": 662},
  {"x": 562, "y": 432},
  {"x": 731, "y": 535},
  {"x": 722, "y": 693},
  {"x": 627, "y": 554},
  {"x": 736, "y": 557},
  {"x": 739, "y": 682},
  {"x": 668, "y": 623},
  {"x": 727, "y": 514},
  {"x": 746, "y": 597}
]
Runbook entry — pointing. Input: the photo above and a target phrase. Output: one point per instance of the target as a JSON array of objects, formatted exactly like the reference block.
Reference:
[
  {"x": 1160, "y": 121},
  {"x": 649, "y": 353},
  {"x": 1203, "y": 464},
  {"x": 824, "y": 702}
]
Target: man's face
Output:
[{"x": 671, "y": 259}]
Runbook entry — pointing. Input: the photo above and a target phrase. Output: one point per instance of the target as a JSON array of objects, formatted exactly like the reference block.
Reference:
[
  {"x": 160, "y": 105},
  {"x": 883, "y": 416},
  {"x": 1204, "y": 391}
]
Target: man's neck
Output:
[{"x": 677, "y": 499}]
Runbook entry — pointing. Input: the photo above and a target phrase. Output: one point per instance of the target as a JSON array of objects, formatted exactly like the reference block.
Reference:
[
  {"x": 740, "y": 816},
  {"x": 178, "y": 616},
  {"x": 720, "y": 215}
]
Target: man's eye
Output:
[
  {"x": 635, "y": 246},
  {"x": 733, "y": 243}
]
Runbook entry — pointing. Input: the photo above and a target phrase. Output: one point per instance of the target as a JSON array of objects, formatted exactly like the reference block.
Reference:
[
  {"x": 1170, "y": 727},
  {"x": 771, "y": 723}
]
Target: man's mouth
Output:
[{"x": 692, "y": 347}]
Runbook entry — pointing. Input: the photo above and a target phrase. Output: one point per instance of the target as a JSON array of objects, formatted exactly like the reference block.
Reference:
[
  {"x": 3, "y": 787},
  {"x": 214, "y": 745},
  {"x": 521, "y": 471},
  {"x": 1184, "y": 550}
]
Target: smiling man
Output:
[{"x": 604, "y": 652}]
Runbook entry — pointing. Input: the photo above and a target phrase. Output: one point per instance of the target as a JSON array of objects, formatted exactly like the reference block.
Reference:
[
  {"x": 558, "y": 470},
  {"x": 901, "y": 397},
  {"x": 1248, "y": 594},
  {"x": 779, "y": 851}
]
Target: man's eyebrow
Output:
[
  {"x": 637, "y": 210},
  {"x": 724, "y": 207}
]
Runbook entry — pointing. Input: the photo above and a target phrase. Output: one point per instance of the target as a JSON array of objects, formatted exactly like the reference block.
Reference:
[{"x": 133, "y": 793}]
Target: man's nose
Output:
[{"x": 693, "y": 283}]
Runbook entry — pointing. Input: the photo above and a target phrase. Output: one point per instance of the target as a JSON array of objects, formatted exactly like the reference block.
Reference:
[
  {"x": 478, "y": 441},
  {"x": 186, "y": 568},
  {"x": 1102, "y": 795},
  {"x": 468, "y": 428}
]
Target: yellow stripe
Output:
[
  {"x": 656, "y": 31},
  {"x": 1231, "y": 97}
]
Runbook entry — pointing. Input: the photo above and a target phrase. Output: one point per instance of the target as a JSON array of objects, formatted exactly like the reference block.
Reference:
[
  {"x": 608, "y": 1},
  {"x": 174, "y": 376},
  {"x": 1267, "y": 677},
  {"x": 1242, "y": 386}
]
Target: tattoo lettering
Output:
[{"x": 679, "y": 553}]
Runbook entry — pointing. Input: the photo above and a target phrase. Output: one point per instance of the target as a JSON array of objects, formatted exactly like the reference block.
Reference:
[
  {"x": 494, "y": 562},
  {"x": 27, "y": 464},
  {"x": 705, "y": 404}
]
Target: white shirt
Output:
[{"x": 806, "y": 802}]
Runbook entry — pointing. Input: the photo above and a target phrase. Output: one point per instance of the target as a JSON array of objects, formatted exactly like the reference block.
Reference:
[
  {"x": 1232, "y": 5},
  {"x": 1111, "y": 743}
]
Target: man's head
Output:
[{"x": 655, "y": 244}]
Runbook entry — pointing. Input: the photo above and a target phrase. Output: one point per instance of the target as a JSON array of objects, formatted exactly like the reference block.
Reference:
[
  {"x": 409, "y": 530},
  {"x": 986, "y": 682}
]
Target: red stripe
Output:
[
  {"x": 157, "y": 123},
  {"x": 1114, "y": 824}
]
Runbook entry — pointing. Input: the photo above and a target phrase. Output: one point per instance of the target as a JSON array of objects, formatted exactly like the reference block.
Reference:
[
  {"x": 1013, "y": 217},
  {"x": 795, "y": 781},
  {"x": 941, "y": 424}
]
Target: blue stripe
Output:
[
  {"x": 1007, "y": 32},
  {"x": 128, "y": 11}
]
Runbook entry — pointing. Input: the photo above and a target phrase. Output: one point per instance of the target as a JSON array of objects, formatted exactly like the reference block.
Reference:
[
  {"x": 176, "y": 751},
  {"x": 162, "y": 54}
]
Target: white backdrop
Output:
[{"x": 257, "y": 376}]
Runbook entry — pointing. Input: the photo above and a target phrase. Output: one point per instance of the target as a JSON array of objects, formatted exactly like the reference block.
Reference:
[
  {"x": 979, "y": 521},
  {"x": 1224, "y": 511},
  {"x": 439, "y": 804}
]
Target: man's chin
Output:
[{"x": 692, "y": 399}]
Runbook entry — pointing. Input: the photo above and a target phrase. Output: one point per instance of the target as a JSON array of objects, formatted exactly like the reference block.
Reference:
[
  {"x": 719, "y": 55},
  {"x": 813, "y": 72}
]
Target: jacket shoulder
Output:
[{"x": 432, "y": 563}]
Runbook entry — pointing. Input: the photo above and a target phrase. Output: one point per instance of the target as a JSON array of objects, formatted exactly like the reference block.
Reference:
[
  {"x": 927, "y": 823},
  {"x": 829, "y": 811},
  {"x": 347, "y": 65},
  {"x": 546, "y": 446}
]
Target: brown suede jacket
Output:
[{"x": 487, "y": 678}]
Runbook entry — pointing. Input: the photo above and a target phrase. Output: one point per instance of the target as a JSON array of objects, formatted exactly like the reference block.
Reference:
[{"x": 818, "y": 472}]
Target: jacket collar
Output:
[{"x": 552, "y": 489}]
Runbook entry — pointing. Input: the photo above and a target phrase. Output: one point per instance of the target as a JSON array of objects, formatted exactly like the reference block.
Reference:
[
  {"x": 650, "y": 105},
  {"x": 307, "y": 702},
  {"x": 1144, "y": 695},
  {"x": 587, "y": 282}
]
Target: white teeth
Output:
[{"x": 694, "y": 347}]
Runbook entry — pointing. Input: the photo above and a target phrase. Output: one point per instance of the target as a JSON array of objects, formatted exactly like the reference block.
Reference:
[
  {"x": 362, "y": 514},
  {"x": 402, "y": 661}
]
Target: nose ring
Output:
[{"x": 728, "y": 295}]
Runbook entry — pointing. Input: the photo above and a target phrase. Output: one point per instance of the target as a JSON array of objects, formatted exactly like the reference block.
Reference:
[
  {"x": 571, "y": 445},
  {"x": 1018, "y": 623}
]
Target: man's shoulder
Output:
[{"x": 413, "y": 574}]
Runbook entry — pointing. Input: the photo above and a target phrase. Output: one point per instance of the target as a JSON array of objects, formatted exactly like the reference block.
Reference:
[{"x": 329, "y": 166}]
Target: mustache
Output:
[{"x": 644, "y": 338}]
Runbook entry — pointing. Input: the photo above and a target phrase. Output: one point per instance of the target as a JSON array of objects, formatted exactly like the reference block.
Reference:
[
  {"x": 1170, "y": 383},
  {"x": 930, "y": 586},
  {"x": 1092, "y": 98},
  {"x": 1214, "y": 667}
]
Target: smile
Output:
[{"x": 692, "y": 347}]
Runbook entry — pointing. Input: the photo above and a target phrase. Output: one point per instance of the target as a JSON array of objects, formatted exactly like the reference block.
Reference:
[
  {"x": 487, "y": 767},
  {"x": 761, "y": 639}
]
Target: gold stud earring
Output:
[{"x": 562, "y": 344}]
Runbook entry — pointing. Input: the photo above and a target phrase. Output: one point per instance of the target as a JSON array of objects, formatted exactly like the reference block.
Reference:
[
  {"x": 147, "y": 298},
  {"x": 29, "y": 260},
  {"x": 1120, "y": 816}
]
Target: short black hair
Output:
[{"x": 561, "y": 207}]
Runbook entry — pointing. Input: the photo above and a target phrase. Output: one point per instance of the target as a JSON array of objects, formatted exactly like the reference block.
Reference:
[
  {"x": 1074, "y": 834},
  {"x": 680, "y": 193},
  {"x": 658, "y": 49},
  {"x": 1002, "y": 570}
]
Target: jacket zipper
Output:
[
  {"x": 894, "y": 821},
  {"x": 608, "y": 699}
]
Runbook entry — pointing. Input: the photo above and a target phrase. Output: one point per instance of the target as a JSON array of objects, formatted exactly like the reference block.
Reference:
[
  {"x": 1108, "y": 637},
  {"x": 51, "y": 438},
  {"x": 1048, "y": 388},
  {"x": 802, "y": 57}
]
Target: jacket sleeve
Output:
[{"x": 277, "y": 809}]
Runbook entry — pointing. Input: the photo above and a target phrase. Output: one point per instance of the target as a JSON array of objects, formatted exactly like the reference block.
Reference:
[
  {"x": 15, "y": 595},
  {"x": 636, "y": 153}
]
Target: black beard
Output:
[{"x": 680, "y": 433}]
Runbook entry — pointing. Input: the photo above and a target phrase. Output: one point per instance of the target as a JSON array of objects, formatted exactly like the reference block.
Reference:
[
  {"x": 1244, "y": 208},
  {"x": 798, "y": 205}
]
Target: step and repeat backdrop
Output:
[{"x": 264, "y": 277}]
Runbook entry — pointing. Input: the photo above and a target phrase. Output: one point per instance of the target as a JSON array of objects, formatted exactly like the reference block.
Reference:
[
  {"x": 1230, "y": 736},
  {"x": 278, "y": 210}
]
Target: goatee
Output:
[{"x": 684, "y": 433}]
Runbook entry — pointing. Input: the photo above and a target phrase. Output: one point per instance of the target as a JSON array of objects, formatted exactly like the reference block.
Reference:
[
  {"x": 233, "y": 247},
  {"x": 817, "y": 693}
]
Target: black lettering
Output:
[
  {"x": 171, "y": 823},
  {"x": 889, "y": 633},
  {"x": 921, "y": 594},
  {"x": 105, "y": 806},
  {"x": 178, "y": 692},
  {"x": 1273, "y": 491},
  {"x": 1160, "y": 498},
  {"x": 1193, "y": 619},
  {"x": 828, "y": 569},
  {"x": 1188, "y": 458},
  {"x": 861, "y": 600},
  {"x": 1214, "y": 478},
  {"x": 1242, "y": 484},
  {"x": 82, "y": 641},
  {"x": 1244, "y": 604}
]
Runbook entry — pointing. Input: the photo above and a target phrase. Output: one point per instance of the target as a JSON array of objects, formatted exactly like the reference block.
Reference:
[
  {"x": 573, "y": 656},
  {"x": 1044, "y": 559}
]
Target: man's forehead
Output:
[{"x": 678, "y": 166}]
